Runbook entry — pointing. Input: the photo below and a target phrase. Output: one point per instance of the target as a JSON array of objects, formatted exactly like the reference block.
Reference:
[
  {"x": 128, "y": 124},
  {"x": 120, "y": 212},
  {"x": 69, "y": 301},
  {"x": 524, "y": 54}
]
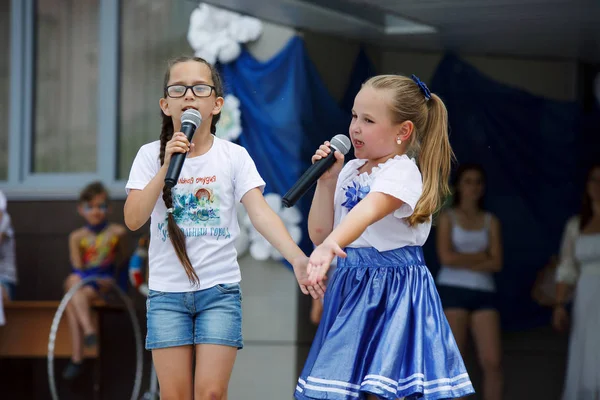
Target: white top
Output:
[
  {"x": 2, "y": 202},
  {"x": 579, "y": 253},
  {"x": 204, "y": 207},
  {"x": 8, "y": 262},
  {"x": 468, "y": 242},
  {"x": 399, "y": 177},
  {"x": 2, "y": 319}
]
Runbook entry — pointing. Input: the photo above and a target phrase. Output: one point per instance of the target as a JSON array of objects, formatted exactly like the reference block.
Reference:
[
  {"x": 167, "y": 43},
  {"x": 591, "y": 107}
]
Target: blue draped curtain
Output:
[
  {"x": 528, "y": 147},
  {"x": 286, "y": 113}
]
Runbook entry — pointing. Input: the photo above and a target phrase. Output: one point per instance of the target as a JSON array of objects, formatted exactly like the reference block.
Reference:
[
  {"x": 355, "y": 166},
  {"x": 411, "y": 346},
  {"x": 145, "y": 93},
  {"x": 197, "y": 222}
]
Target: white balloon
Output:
[
  {"x": 240, "y": 211},
  {"x": 216, "y": 44},
  {"x": 242, "y": 243},
  {"x": 260, "y": 248},
  {"x": 295, "y": 232},
  {"x": 229, "y": 51},
  {"x": 275, "y": 254},
  {"x": 291, "y": 215},
  {"x": 259, "y": 251},
  {"x": 144, "y": 290},
  {"x": 206, "y": 54},
  {"x": 274, "y": 201},
  {"x": 245, "y": 29},
  {"x": 222, "y": 17},
  {"x": 217, "y": 33},
  {"x": 198, "y": 20},
  {"x": 232, "y": 101},
  {"x": 255, "y": 235},
  {"x": 247, "y": 222}
]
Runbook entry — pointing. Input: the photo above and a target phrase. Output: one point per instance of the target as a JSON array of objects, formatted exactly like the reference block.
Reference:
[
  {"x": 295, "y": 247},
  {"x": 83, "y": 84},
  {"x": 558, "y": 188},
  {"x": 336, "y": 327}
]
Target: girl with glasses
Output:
[{"x": 194, "y": 299}]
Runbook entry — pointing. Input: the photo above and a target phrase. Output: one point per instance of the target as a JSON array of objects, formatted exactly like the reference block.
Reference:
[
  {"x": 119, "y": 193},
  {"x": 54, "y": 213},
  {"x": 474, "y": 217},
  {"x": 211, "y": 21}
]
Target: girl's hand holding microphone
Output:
[
  {"x": 178, "y": 144},
  {"x": 332, "y": 173}
]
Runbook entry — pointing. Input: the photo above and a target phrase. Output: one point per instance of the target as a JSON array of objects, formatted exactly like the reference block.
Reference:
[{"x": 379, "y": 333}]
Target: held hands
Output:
[
  {"x": 334, "y": 171},
  {"x": 300, "y": 265},
  {"x": 321, "y": 259},
  {"x": 178, "y": 144}
]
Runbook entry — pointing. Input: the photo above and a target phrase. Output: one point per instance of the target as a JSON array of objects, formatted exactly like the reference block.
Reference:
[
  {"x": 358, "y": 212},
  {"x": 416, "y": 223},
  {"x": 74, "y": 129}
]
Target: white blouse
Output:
[{"x": 579, "y": 253}]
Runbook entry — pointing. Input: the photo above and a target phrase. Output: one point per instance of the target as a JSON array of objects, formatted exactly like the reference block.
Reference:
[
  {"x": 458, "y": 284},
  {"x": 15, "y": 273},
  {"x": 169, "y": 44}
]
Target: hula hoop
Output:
[{"x": 136, "y": 331}]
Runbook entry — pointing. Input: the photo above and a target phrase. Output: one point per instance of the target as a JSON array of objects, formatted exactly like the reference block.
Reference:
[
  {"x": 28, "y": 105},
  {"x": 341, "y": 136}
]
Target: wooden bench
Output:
[
  {"x": 27, "y": 332},
  {"x": 28, "y": 325}
]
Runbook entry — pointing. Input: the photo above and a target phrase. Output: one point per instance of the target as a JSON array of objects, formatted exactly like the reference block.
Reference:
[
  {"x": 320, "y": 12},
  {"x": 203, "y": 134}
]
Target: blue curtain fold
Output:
[
  {"x": 590, "y": 139},
  {"x": 286, "y": 113},
  {"x": 528, "y": 147}
]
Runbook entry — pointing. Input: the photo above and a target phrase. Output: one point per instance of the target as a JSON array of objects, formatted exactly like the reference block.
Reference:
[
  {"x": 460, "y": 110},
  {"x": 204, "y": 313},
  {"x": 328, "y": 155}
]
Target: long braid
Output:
[{"x": 175, "y": 234}]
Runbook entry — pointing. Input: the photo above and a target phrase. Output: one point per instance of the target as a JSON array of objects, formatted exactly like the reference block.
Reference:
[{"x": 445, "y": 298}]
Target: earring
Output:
[{"x": 398, "y": 140}]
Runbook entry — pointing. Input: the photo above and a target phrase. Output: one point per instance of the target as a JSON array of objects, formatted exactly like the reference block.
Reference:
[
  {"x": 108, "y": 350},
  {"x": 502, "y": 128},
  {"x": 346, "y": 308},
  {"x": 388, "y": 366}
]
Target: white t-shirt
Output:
[
  {"x": 204, "y": 201},
  {"x": 399, "y": 177},
  {"x": 2, "y": 202}
]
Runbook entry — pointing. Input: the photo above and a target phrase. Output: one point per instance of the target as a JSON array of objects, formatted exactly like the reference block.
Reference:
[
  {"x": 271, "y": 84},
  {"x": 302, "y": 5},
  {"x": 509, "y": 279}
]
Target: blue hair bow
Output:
[{"x": 422, "y": 86}]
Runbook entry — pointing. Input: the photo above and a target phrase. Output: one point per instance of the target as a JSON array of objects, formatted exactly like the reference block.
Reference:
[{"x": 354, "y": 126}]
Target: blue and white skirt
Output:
[{"x": 383, "y": 332}]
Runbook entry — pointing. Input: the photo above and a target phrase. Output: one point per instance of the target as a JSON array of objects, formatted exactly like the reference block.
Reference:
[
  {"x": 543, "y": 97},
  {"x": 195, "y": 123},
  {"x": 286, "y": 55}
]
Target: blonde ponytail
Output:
[{"x": 435, "y": 162}]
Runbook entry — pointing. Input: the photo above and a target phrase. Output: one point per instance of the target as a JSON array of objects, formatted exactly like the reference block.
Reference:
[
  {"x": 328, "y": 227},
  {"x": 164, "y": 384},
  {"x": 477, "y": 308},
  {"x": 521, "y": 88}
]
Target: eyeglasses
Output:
[{"x": 200, "y": 90}]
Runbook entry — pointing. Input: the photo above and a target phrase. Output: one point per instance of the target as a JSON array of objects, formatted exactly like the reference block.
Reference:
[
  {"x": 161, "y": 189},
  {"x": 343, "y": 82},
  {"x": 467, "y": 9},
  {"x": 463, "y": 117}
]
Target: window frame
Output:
[{"x": 22, "y": 182}]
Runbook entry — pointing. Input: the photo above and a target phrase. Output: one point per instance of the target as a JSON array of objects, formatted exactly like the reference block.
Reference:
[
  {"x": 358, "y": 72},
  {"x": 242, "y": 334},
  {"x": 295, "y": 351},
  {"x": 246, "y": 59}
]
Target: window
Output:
[
  {"x": 5, "y": 17},
  {"x": 80, "y": 87},
  {"x": 66, "y": 86},
  {"x": 152, "y": 32}
]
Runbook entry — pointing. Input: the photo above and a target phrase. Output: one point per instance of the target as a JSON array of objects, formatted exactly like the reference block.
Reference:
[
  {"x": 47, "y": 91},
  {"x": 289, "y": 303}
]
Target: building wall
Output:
[{"x": 276, "y": 327}]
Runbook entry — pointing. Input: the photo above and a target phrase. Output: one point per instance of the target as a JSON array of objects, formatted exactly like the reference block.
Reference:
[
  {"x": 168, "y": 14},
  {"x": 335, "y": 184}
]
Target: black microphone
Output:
[
  {"x": 190, "y": 121},
  {"x": 314, "y": 172}
]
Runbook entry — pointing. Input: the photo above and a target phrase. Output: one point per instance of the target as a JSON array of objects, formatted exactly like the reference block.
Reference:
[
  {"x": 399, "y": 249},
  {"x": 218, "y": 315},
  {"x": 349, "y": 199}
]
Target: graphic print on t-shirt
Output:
[{"x": 196, "y": 208}]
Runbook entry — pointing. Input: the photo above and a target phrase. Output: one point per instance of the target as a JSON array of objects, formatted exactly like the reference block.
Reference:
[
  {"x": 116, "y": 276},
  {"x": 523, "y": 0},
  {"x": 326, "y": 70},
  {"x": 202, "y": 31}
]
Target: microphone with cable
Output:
[
  {"x": 190, "y": 121},
  {"x": 340, "y": 143}
]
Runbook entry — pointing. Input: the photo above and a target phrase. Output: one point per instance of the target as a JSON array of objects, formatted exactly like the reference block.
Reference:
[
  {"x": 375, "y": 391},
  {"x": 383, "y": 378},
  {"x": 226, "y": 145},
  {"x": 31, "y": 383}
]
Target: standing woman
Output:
[
  {"x": 579, "y": 268},
  {"x": 470, "y": 250}
]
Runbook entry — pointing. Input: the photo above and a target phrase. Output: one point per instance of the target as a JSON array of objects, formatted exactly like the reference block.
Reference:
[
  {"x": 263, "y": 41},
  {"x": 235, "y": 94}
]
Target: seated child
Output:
[{"x": 96, "y": 249}]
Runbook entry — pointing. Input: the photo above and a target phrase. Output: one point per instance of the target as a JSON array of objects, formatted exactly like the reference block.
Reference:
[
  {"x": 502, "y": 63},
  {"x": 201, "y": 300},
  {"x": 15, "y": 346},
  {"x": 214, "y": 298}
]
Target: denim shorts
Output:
[{"x": 208, "y": 316}]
